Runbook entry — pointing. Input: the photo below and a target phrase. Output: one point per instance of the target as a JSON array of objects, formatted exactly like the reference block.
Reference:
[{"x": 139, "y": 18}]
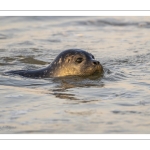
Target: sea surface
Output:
[{"x": 118, "y": 102}]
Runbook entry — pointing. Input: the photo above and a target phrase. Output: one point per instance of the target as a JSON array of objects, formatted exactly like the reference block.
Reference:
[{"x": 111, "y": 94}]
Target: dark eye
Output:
[
  {"x": 79, "y": 60},
  {"x": 93, "y": 57}
]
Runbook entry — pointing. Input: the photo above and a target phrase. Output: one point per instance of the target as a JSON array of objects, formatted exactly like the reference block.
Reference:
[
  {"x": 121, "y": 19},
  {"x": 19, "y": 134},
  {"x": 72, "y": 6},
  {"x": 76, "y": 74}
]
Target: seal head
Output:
[{"x": 75, "y": 62}]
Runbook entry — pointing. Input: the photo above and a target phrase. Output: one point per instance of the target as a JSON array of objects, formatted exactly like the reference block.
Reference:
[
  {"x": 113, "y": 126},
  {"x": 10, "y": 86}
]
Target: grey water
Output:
[{"x": 118, "y": 102}]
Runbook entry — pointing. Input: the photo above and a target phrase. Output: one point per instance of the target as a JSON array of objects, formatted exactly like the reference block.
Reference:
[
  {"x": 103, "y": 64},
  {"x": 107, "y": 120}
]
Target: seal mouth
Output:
[
  {"x": 96, "y": 72},
  {"x": 92, "y": 70},
  {"x": 99, "y": 69}
]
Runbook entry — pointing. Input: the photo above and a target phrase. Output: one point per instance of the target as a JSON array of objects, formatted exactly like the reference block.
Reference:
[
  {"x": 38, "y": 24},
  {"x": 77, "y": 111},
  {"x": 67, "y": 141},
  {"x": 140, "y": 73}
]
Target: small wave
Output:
[
  {"x": 115, "y": 76},
  {"x": 31, "y": 60},
  {"x": 126, "y": 112},
  {"x": 112, "y": 22},
  {"x": 26, "y": 43},
  {"x": 3, "y": 36},
  {"x": 51, "y": 40},
  {"x": 14, "y": 96}
]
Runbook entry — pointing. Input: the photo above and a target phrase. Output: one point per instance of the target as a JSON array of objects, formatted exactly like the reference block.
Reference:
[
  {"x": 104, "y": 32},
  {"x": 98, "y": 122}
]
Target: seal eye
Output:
[{"x": 79, "y": 60}]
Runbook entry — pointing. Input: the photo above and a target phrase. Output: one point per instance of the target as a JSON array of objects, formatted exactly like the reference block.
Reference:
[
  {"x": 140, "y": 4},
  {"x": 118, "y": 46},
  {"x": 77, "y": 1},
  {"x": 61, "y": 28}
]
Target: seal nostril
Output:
[{"x": 96, "y": 62}]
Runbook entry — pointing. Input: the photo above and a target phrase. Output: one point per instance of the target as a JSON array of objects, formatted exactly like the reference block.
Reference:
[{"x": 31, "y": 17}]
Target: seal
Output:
[{"x": 71, "y": 62}]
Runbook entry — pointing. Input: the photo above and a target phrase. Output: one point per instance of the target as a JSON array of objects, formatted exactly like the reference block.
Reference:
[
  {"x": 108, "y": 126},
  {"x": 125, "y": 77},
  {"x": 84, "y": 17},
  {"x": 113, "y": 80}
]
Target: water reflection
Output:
[{"x": 66, "y": 83}]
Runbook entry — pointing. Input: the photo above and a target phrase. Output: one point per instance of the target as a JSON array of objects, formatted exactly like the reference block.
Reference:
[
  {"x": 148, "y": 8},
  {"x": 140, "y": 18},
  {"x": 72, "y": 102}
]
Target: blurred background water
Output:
[{"x": 118, "y": 102}]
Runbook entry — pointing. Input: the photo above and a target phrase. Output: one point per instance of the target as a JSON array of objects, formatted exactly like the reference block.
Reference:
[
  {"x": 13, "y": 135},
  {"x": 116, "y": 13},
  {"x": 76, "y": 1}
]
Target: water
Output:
[{"x": 118, "y": 102}]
